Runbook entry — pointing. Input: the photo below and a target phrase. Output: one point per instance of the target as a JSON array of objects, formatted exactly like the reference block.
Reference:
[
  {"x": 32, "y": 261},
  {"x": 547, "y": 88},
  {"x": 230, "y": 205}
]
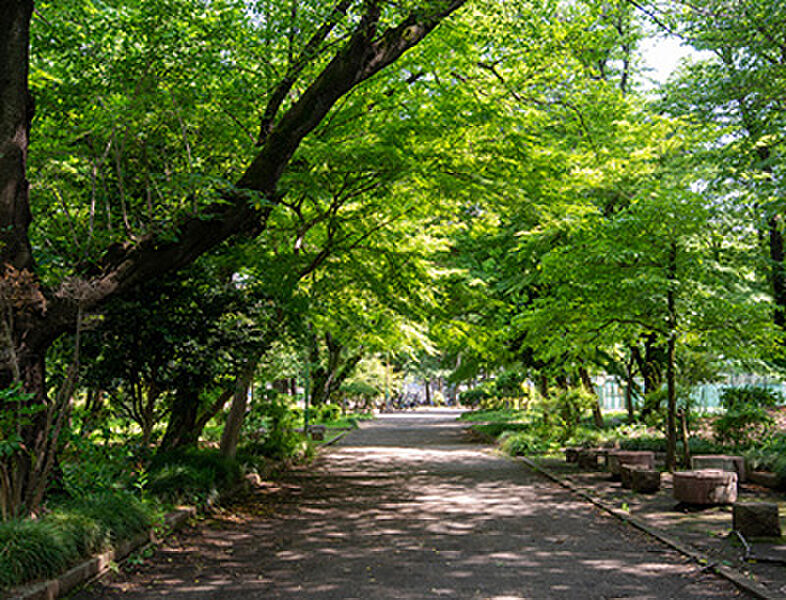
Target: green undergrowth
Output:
[
  {"x": 192, "y": 475},
  {"x": 770, "y": 456},
  {"x": 523, "y": 443},
  {"x": 33, "y": 549},
  {"x": 528, "y": 433},
  {"x": 107, "y": 493}
]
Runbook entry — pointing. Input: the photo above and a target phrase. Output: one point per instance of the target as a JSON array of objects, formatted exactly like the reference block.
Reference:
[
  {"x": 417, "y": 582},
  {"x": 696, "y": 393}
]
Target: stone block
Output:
[
  {"x": 617, "y": 458},
  {"x": 645, "y": 481},
  {"x": 588, "y": 459},
  {"x": 626, "y": 475},
  {"x": 572, "y": 455},
  {"x": 724, "y": 462},
  {"x": 757, "y": 519},
  {"x": 708, "y": 486}
]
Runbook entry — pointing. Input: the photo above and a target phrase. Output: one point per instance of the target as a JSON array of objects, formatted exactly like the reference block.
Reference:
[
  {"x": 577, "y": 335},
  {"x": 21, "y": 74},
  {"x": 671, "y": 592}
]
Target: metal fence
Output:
[{"x": 705, "y": 397}]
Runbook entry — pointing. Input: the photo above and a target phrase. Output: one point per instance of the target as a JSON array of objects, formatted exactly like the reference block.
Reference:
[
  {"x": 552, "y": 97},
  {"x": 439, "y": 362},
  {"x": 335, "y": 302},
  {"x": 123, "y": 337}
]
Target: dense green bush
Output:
[
  {"x": 476, "y": 395},
  {"x": 585, "y": 437},
  {"x": 39, "y": 548},
  {"x": 278, "y": 418},
  {"x": 658, "y": 444},
  {"x": 742, "y": 425},
  {"x": 746, "y": 419},
  {"x": 569, "y": 406},
  {"x": 733, "y": 398},
  {"x": 522, "y": 443},
  {"x": 191, "y": 474},
  {"x": 769, "y": 456},
  {"x": 326, "y": 413},
  {"x": 90, "y": 468},
  {"x": 33, "y": 550},
  {"x": 496, "y": 415}
]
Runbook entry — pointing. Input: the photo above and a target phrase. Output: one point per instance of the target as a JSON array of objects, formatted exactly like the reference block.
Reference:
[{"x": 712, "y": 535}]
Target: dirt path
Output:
[{"x": 407, "y": 509}]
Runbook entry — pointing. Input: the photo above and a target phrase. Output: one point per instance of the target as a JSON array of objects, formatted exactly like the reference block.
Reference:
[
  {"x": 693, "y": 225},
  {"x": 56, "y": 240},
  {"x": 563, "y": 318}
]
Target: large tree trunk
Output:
[
  {"x": 230, "y": 437},
  {"x": 671, "y": 374},
  {"x": 650, "y": 366},
  {"x": 629, "y": 390},
  {"x": 586, "y": 381},
  {"x": 181, "y": 427},
  {"x": 16, "y": 114}
]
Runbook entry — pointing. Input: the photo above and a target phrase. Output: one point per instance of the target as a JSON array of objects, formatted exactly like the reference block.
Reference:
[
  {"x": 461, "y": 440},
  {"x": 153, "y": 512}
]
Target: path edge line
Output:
[
  {"x": 733, "y": 575},
  {"x": 95, "y": 567}
]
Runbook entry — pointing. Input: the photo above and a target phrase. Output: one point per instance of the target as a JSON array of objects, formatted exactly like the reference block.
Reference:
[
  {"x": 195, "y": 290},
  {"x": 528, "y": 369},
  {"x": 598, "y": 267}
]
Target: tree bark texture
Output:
[
  {"x": 16, "y": 114},
  {"x": 230, "y": 437},
  {"x": 328, "y": 375}
]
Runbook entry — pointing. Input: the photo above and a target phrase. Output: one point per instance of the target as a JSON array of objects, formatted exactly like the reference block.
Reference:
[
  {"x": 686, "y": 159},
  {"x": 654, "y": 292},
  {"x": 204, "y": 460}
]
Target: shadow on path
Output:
[{"x": 406, "y": 509}]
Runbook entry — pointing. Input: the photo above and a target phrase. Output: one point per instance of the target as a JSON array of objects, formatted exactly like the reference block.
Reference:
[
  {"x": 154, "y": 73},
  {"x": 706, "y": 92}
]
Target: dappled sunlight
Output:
[{"x": 389, "y": 520}]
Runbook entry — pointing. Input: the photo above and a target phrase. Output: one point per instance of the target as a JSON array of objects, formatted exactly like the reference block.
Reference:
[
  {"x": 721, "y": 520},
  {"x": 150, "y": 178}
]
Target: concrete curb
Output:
[
  {"x": 733, "y": 575},
  {"x": 339, "y": 437},
  {"x": 97, "y": 565}
]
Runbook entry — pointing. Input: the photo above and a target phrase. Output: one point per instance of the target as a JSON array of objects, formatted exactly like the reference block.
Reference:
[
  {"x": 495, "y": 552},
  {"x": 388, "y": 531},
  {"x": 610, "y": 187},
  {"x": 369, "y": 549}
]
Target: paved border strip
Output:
[
  {"x": 340, "y": 436},
  {"x": 732, "y": 575}
]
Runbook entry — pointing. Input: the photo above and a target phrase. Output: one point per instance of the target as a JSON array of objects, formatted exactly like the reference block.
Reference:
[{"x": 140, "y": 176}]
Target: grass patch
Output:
[
  {"x": 41, "y": 548},
  {"x": 192, "y": 474},
  {"x": 522, "y": 443}
]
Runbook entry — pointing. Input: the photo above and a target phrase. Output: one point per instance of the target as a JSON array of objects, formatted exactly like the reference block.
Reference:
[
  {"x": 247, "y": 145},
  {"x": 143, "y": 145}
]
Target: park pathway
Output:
[{"x": 407, "y": 508}]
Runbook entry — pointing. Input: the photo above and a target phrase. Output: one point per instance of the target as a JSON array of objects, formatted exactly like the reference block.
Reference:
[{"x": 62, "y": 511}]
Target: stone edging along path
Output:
[
  {"x": 98, "y": 564},
  {"x": 732, "y": 575}
]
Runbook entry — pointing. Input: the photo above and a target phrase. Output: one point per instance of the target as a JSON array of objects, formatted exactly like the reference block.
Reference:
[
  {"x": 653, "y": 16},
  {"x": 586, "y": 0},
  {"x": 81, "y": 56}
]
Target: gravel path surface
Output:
[{"x": 407, "y": 508}]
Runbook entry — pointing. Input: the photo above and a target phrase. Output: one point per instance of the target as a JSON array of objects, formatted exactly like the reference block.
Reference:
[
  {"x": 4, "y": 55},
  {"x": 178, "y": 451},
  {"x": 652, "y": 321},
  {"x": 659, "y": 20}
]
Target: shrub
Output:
[
  {"x": 86, "y": 534},
  {"x": 476, "y": 395},
  {"x": 658, "y": 444},
  {"x": 40, "y": 548},
  {"x": 735, "y": 398},
  {"x": 327, "y": 412},
  {"x": 90, "y": 468},
  {"x": 523, "y": 443},
  {"x": 191, "y": 473},
  {"x": 742, "y": 424},
  {"x": 769, "y": 456},
  {"x": 585, "y": 437},
  {"x": 119, "y": 515},
  {"x": 571, "y": 404},
  {"x": 32, "y": 550},
  {"x": 497, "y": 415}
]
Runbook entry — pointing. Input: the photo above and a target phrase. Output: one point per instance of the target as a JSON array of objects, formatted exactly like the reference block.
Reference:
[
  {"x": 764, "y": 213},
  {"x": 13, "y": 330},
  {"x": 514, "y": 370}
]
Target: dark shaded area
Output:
[{"x": 406, "y": 509}]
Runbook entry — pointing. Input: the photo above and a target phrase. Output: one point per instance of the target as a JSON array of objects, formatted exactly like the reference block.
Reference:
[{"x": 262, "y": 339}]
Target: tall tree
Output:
[{"x": 375, "y": 35}]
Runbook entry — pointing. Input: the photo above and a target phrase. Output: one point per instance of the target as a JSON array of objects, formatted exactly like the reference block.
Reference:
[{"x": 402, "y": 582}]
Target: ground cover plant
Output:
[
  {"x": 44, "y": 547},
  {"x": 733, "y": 431}
]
